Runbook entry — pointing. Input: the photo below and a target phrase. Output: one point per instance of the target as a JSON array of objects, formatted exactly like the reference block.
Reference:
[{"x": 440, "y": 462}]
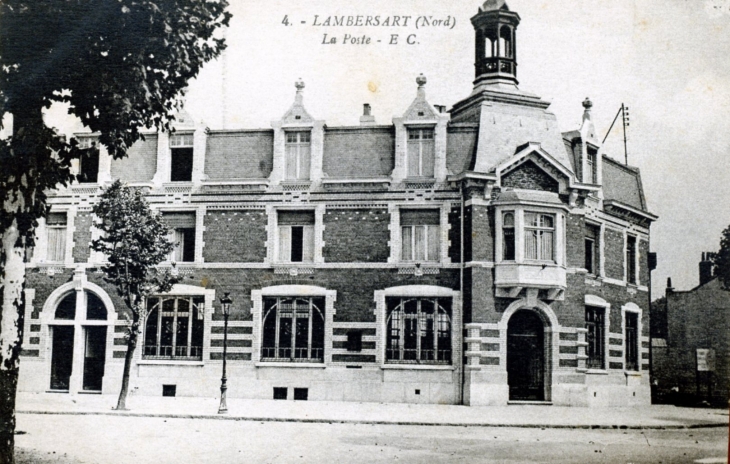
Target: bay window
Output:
[
  {"x": 508, "y": 236},
  {"x": 539, "y": 236}
]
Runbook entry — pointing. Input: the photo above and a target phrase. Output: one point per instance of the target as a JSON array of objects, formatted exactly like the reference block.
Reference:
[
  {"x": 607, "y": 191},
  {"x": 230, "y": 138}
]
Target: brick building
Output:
[
  {"x": 474, "y": 256},
  {"x": 690, "y": 342}
]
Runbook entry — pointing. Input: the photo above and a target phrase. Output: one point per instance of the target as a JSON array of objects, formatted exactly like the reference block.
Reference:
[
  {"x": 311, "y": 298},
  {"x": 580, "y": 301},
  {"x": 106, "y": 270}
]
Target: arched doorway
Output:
[
  {"x": 78, "y": 332},
  {"x": 526, "y": 356}
]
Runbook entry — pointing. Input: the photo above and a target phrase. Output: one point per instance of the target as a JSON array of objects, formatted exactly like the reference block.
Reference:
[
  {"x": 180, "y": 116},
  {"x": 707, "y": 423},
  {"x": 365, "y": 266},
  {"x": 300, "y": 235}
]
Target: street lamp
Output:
[{"x": 226, "y": 302}]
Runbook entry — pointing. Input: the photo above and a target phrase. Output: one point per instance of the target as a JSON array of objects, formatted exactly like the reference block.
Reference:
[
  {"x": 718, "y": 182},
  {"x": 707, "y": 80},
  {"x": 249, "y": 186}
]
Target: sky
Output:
[{"x": 667, "y": 60}]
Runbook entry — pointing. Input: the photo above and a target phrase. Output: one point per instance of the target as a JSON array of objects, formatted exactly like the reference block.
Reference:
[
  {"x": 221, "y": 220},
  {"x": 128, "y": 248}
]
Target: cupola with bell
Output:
[{"x": 496, "y": 52}]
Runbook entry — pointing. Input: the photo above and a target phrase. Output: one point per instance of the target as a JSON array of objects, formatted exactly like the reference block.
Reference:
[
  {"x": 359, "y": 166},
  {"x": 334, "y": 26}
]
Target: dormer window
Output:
[
  {"x": 421, "y": 152},
  {"x": 539, "y": 236},
  {"x": 592, "y": 162},
  {"x": 181, "y": 157},
  {"x": 89, "y": 160},
  {"x": 298, "y": 155}
]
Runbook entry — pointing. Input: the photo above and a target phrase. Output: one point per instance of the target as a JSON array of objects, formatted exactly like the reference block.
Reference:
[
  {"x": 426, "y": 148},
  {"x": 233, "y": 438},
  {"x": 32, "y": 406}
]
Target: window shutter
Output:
[
  {"x": 56, "y": 244},
  {"x": 414, "y": 159},
  {"x": 285, "y": 243},
  {"x": 433, "y": 243},
  {"x": 304, "y": 161},
  {"x": 308, "y": 244},
  {"x": 420, "y": 243},
  {"x": 406, "y": 243},
  {"x": 291, "y": 161},
  {"x": 427, "y": 158}
]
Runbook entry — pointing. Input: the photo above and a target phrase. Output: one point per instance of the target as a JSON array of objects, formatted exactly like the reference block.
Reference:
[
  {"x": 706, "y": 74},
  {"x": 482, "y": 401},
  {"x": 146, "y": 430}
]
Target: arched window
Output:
[
  {"x": 293, "y": 329},
  {"x": 174, "y": 328},
  {"x": 95, "y": 309},
  {"x": 418, "y": 331},
  {"x": 488, "y": 47},
  {"x": 505, "y": 42},
  {"x": 66, "y": 309}
]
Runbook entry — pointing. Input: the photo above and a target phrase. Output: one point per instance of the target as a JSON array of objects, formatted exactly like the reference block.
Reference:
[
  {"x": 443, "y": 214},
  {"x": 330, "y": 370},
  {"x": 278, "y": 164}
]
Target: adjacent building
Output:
[
  {"x": 476, "y": 256},
  {"x": 690, "y": 343}
]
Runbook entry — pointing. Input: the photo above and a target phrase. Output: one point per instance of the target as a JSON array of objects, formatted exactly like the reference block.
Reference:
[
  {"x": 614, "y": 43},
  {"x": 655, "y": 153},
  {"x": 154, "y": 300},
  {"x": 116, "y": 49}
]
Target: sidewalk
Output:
[{"x": 647, "y": 417}]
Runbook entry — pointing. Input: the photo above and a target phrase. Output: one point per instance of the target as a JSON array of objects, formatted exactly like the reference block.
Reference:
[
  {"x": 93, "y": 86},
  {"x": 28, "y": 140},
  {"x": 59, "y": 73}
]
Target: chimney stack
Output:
[
  {"x": 706, "y": 268},
  {"x": 440, "y": 108},
  {"x": 367, "y": 119}
]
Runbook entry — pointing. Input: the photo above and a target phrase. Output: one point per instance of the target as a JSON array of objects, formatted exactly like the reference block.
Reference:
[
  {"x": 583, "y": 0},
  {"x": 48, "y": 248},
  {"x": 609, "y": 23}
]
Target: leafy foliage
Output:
[
  {"x": 721, "y": 259},
  {"x": 120, "y": 64},
  {"x": 134, "y": 240}
]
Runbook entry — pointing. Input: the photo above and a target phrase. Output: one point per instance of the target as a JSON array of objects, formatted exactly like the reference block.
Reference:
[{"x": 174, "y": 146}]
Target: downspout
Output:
[{"x": 461, "y": 288}]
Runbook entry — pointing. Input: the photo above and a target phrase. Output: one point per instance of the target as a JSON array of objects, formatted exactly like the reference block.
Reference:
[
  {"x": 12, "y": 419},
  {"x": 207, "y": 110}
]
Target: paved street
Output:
[{"x": 104, "y": 439}]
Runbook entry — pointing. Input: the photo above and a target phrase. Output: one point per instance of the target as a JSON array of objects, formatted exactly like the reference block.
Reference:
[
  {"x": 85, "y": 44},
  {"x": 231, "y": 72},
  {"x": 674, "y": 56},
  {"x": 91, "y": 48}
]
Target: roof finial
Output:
[
  {"x": 587, "y": 104},
  {"x": 299, "y": 84},
  {"x": 421, "y": 81}
]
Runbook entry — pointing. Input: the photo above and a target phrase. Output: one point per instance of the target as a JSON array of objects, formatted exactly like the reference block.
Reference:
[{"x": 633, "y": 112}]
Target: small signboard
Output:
[{"x": 705, "y": 360}]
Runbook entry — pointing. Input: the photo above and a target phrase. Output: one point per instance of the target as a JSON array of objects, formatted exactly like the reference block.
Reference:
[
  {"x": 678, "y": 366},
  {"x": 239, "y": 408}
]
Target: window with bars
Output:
[
  {"x": 420, "y": 234},
  {"x": 56, "y": 225},
  {"x": 293, "y": 329},
  {"x": 421, "y": 153},
  {"x": 631, "y": 339},
  {"x": 539, "y": 236},
  {"x": 595, "y": 337},
  {"x": 182, "y": 234},
  {"x": 174, "y": 328},
  {"x": 89, "y": 160},
  {"x": 298, "y": 155},
  {"x": 418, "y": 331},
  {"x": 631, "y": 259},
  {"x": 592, "y": 249},
  {"x": 181, "y": 157},
  {"x": 508, "y": 236},
  {"x": 296, "y": 236}
]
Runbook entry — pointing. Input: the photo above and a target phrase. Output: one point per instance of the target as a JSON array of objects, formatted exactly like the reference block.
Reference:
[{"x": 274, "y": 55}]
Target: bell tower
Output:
[{"x": 496, "y": 50}]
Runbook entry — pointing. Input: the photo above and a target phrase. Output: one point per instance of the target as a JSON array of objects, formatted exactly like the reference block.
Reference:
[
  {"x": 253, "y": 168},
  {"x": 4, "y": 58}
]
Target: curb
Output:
[{"x": 373, "y": 422}]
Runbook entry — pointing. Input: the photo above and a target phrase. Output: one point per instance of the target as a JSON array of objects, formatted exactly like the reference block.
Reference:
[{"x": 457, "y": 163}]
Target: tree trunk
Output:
[
  {"x": 17, "y": 202},
  {"x": 11, "y": 334},
  {"x": 131, "y": 345}
]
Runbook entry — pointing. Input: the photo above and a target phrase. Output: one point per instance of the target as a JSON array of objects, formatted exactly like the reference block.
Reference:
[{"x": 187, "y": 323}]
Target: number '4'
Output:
[{"x": 285, "y": 21}]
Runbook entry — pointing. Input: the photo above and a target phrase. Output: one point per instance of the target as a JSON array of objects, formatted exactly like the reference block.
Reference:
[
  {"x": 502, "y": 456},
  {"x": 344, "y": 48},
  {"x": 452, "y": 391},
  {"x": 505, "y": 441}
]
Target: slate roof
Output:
[
  {"x": 359, "y": 152},
  {"x": 242, "y": 154},
  {"x": 622, "y": 183}
]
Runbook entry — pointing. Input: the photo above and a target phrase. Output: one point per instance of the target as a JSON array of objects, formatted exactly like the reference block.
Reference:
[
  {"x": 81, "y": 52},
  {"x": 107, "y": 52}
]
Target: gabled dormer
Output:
[
  {"x": 181, "y": 153},
  {"x": 587, "y": 149},
  {"x": 298, "y": 147},
  {"x": 420, "y": 142}
]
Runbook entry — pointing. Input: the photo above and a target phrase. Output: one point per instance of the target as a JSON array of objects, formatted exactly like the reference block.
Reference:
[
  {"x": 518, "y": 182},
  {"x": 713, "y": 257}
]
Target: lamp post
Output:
[{"x": 226, "y": 302}]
